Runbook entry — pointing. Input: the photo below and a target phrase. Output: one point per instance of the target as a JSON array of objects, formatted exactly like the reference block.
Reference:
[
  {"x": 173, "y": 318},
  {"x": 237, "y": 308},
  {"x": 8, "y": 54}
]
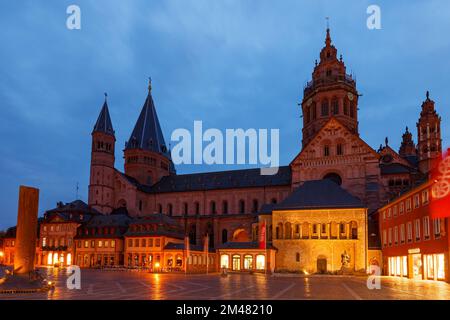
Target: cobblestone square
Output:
[{"x": 122, "y": 285}]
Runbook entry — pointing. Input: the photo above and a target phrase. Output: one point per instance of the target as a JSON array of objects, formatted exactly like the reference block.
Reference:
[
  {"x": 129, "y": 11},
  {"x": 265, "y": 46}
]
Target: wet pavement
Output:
[{"x": 126, "y": 285}]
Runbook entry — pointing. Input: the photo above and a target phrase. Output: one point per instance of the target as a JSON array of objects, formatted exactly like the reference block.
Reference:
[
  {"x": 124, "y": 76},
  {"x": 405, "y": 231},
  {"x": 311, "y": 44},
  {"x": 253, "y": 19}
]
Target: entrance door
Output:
[
  {"x": 417, "y": 266},
  {"x": 321, "y": 265}
]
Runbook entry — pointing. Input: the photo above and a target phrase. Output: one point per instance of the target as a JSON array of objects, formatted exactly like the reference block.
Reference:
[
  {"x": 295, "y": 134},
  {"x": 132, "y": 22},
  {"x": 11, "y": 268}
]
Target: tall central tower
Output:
[
  {"x": 147, "y": 158},
  {"x": 330, "y": 93},
  {"x": 429, "y": 136}
]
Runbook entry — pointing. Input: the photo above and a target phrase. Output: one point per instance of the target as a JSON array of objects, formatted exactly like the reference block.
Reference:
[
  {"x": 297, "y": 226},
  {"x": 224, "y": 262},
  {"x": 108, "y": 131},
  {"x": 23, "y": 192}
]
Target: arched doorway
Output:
[
  {"x": 333, "y": 177},
  {"x": 321, "y": 264}
]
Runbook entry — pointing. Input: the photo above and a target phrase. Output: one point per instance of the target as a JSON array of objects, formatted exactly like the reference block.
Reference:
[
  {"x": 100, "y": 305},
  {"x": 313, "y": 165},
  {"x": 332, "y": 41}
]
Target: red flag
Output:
[
  {"x": 440, "y": 190},
  {"x": 262, "y": 236}
]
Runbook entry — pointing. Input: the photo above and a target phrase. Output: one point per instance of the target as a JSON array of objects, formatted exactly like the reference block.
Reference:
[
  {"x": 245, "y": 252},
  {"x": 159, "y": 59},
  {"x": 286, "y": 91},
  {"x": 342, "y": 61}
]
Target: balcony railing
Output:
[{"x": 327, "y": 80}]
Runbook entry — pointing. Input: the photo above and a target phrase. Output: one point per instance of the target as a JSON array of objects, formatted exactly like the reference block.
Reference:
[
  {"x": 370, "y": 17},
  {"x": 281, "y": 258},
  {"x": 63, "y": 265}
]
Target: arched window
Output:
[
  {"x": 297, "y": 257},
  {"x": 287, "y": 230},
  {"x": 197, "y": 208},
  {"x": 352, "y": 109},
  {"x": 354, "y": 229},
  {"x": 225, "y": 207},
  {"x": 169, "y": 209},
  {"x": 325, "y": 107},
  {"x": 326, "y": 150},
  {"x": 213, "y": 207},
  {"x": 280, "y": 231},
  {"x": 241, "y": 206},
  {"x": 185, "y": 208},
  {"x": 313, "y": 111},
  {"x": 339, "y": 149},
  {"x": 273, "y": 201},
  {"x": 193, "y": 234},
  {"x": 255, "y": 206},
  {"x": 335, "y": 106},
  {"x": 159, "y": 208},
  {"x": 224, "y": 261},
  {"x": 140, "y": 205},
  {"x": 224, "y": 236}
]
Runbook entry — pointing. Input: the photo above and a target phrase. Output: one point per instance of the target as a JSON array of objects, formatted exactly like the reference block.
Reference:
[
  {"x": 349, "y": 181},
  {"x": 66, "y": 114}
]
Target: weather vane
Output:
[
  {"x": 328, "y": 22},
  {"x": 149, "y": 84}
]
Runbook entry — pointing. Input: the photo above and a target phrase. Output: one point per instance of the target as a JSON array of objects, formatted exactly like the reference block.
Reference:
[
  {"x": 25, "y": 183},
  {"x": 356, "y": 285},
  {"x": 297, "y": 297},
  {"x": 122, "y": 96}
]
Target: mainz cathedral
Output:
[{"x": 319, "y": 212}]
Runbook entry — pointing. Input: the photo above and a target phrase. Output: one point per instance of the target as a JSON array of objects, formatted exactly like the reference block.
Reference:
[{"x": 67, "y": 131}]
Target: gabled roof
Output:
[
  {"x": 104, "y": 123},
  {"x": 319, "y": 194},
  {"x": 246, "y": 178},
  {"x": 323, "y": 128}
]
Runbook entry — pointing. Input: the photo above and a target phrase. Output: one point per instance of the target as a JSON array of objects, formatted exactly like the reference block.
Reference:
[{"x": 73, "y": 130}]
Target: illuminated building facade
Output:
[
  {"x": 141, "y": 216},
  {"x": 415, "y": 245}
]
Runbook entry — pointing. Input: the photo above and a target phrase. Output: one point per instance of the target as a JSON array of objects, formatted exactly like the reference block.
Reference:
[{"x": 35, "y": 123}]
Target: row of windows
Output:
[
  {"x": 58, "y": 227},
  {"x": 348, "y": 109},
  {"x": 97, "y": 231},
  {"x": 147, "y": 160},
  {"x": 213, "y": 207},
  {"x": 339, "y": 150},
  {"x": 98, "y": 243},
  {"x": 407, "y": 205},
  {"x": 143, "y": 243},
  {"x": 51, "y": 242},
  {"x": 404, "y": 233},
  {"x": 307, "y": 230},
  {"x": 103, "y": 146}
]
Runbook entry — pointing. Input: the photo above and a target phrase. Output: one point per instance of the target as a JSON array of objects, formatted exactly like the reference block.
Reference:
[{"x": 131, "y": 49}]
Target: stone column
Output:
[{"x": 26, "y": 230}]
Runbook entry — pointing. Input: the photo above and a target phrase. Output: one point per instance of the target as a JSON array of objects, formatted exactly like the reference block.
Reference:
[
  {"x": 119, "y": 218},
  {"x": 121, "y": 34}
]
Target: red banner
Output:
[
  {"x": 440, "y": 191},
  {"x": 262, "y": 236}
]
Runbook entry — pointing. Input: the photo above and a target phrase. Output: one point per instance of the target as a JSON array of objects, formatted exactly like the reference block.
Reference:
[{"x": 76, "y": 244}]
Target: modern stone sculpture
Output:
[{"x": 27, "y": 218}]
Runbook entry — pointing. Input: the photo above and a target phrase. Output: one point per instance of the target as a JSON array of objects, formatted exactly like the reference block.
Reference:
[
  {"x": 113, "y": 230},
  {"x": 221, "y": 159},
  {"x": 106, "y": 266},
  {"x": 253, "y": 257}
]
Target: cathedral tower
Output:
[
  {"x": 429, "y": 136},
  {"x": 101, "y": 187},
  {"x": 330, "y": 93},
  {"x": 407, "y": 148},
  {"x": 147, "y": 158}
]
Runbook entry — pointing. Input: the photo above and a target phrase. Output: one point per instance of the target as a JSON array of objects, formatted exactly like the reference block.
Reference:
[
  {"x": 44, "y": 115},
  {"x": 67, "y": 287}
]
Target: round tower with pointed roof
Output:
[
  {"x": 101, "y": 182},
  {"x": 331, "y": 93},
  {"x": 147, "y": 157}
]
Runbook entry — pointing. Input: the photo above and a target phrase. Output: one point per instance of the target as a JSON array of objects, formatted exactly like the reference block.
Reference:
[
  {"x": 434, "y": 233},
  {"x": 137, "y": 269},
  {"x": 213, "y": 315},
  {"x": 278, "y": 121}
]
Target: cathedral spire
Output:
[
  {"x": 103, "y": 123},
  {"x": 147, "y": 133}
]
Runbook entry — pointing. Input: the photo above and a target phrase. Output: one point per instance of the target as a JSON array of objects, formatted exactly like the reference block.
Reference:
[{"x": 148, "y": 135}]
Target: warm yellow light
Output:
[
  {"x": 1, "y": 254},
  {"x": 306, "y": 272},
  {"x": 49, "y": 283},
  {"x": 157, "y": 265}
]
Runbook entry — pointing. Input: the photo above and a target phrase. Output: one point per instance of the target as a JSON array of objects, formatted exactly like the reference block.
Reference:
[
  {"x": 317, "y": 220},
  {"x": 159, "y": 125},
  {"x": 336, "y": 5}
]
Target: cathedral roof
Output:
[
  {"x": 319, "y": 194},
  {"x": 147, "y": 133},
  {"x": 245, "y": 178},
  {"x": 394, "y": 168},
  {"x": 104, "y": 123}
]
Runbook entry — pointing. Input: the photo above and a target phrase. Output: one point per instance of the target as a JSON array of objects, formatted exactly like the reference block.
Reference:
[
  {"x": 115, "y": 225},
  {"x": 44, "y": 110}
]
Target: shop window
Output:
[{"x": 224, "y": 261}]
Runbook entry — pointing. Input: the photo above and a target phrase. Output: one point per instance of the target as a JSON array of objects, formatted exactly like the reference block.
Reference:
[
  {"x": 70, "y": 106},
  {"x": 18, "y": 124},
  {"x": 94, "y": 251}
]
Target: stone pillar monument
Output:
[{"x": 27, "y": 219}]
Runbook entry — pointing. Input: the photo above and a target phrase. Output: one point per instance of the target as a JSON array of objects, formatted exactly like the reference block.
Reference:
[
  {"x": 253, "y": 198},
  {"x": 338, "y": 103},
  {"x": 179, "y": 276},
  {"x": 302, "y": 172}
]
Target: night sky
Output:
[{"x": 231, "y": 64}]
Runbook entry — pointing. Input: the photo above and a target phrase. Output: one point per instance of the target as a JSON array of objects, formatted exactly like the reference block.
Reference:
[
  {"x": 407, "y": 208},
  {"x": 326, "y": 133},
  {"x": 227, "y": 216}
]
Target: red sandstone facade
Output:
[
  {"x": 227, "y": 206},
  {"x": 414, "y": 244}
]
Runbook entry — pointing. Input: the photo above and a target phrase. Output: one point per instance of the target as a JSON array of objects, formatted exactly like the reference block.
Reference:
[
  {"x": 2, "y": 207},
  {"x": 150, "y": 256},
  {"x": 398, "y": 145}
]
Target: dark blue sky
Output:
[{"x": 231, "y": 64}]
